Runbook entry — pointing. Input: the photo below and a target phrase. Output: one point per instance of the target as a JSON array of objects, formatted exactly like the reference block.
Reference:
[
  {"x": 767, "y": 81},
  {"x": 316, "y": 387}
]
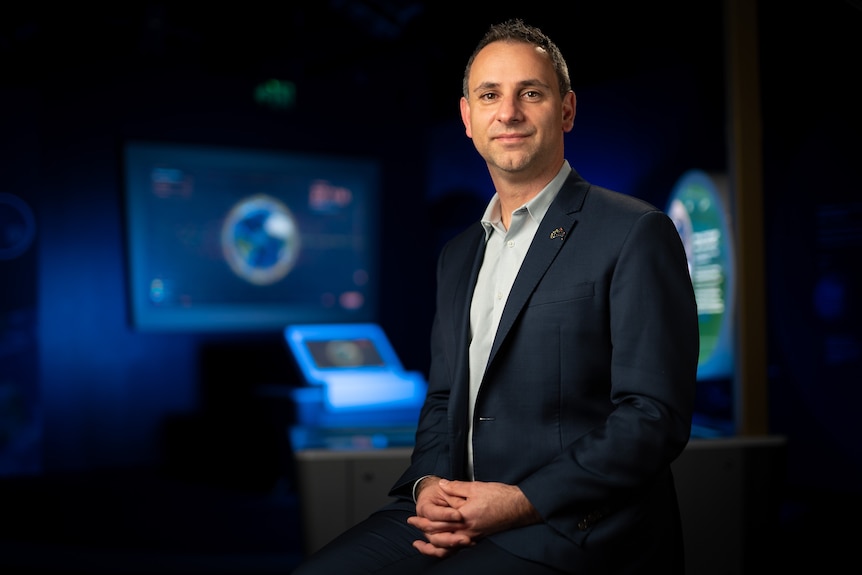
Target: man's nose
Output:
[{"x": 509, "y": 110}]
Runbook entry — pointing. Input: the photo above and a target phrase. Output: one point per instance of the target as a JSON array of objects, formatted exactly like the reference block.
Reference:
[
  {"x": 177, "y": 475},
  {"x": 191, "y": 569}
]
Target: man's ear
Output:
[
  {"x": 570, "y": 104},
  {"x": 465, "y": 116}
]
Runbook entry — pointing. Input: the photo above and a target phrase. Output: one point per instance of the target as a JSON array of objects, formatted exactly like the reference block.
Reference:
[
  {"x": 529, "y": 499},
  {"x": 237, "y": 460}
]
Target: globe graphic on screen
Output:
[{"x": 260, "y": 239}]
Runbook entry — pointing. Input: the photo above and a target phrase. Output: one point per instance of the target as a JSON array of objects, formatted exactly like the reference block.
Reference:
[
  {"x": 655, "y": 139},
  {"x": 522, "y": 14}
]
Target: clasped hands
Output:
[{"x": 456, "y": 514}]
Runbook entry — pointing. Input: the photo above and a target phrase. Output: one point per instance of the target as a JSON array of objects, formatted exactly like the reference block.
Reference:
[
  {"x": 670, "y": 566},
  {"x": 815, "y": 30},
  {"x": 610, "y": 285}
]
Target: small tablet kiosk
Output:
[{"x": 352, "y": 377}]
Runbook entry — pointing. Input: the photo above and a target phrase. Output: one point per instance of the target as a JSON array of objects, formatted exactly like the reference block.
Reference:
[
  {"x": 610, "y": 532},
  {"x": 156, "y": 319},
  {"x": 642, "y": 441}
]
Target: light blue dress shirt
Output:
[{"x": 504, "y": 252}]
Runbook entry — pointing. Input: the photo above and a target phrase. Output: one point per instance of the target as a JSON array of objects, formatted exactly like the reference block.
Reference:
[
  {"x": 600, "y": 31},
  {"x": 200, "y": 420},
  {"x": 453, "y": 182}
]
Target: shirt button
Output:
[{"x": 511, "y": 243}]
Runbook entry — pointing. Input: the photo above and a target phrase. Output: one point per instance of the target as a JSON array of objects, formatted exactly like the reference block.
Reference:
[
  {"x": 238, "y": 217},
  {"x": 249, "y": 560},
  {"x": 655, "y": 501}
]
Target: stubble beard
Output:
[{"x": 512, "y": 163}]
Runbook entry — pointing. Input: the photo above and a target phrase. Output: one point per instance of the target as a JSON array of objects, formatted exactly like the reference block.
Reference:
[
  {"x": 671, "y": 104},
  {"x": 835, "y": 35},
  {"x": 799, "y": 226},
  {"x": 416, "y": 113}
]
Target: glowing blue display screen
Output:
[{"x": 234, "y": 239}]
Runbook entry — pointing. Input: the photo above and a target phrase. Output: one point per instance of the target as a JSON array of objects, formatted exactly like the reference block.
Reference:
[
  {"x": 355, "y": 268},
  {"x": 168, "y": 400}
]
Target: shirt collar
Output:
[{"x": 537, "y": 207}]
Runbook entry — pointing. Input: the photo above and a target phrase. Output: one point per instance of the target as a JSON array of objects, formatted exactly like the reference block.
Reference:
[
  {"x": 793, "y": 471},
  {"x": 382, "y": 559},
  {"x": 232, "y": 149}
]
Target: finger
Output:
[
  {"x": 428, "y": 526},
  {"x": 438, "y": 513},
  {"x": 448, "y": 540},
  {"x": 459, "y": 489},
  {"x": 446, "y": 514},
  {"x": 427, "y": 549},
  {"x": 455, "y": 501},
  {"x": 442, "y": 545}
]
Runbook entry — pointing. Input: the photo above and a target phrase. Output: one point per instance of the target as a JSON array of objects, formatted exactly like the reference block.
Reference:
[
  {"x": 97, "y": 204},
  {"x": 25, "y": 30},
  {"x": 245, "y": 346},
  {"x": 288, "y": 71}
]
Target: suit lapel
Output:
[
  {"x": 554, "y": 231},
  {"x": 459, "y": 302},
  {"x": 464, "y": 295}
]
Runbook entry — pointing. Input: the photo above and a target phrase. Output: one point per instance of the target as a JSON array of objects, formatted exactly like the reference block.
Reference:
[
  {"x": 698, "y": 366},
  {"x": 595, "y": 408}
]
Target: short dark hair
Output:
[{"x": 515, "y": 30}]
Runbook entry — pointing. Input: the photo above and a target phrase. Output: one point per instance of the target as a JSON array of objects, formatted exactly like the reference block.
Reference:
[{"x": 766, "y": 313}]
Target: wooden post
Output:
[{"x": 746, "y": 180}]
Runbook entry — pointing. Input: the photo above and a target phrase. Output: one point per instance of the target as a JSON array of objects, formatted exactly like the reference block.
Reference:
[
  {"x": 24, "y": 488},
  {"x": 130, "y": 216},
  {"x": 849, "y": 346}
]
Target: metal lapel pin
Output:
[{"x": 558, "y": 233}]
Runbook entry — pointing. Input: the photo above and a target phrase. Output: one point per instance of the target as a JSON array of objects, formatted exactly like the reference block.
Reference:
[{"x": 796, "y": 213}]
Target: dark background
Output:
[{"x": 87, "y": 405}]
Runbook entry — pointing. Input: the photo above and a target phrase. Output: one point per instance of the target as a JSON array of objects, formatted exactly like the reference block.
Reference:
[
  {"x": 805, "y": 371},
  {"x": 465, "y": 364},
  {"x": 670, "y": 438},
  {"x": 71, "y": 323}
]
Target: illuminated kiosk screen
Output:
[
  {"x": 235, "y": 239},
  {"x": 698, "y": 207},
  {"x": 340, "y": 353}
]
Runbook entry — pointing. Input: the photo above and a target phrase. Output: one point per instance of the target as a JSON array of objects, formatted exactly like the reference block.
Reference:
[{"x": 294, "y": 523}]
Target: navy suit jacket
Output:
[{"x": 588, "y": 393}]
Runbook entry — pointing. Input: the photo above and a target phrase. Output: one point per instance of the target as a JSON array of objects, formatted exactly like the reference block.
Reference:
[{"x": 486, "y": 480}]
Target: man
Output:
[{"x": 564, "y": 354}]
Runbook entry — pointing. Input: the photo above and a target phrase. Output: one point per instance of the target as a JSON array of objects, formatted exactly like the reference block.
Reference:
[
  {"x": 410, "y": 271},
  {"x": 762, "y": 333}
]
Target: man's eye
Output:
[{"x": 489, "y": 96}]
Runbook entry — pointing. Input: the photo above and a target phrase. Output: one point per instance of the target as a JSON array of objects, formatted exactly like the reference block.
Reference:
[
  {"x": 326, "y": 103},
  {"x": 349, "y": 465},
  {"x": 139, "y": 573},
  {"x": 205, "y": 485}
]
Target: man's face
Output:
[{"x": 515, "y": 114}]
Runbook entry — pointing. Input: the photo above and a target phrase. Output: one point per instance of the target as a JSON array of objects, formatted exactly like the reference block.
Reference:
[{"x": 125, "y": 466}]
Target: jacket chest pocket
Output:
[{"x": 551, "y": 294}]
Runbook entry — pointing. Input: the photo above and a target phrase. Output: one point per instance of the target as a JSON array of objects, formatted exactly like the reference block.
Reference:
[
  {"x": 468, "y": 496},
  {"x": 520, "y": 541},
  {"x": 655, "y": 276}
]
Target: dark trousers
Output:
[{"x": 382, "y": 545}]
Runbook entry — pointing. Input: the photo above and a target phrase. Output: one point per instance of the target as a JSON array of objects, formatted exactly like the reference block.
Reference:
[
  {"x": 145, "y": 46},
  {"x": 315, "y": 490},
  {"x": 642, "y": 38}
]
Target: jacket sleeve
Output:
[
  {"x": 654, "y": 352},
  {"x": 431, "y": 453}
]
